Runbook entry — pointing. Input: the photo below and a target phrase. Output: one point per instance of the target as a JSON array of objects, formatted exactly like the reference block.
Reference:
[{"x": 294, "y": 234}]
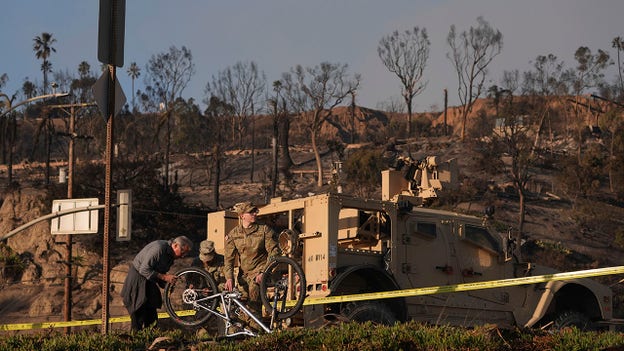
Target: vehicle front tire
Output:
[
  {"x": 365, "y": 311},
  {"x": 572, "y": 318}
]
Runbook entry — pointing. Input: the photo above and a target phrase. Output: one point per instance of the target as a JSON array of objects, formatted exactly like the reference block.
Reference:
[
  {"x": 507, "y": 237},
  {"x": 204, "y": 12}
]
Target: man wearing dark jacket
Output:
[{"x": 148, "y": 271}]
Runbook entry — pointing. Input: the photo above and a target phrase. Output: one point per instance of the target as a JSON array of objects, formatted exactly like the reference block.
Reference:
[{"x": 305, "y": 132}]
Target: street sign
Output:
[
  {"x": 100, "y": 91},
  {"x": 111, "y": 32},
  {"x": 83, "y": 222},
  {"x": 124, "y": 214}
]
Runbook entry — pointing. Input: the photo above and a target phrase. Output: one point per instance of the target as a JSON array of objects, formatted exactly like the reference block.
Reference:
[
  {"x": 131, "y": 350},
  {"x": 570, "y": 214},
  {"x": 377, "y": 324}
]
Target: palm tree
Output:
[
  {"x": 43, "y": 49},
  {"x": 134, "y": 72},
  {"x": 3, "y": 79},
  {"x": 84, "y": 69},
  {"x": 29, "y": 89}
]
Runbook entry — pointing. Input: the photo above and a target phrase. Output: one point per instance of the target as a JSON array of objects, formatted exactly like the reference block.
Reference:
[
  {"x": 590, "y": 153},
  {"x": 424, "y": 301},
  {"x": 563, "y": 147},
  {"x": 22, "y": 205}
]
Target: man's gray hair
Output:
[{"x": 183, "y": 241}]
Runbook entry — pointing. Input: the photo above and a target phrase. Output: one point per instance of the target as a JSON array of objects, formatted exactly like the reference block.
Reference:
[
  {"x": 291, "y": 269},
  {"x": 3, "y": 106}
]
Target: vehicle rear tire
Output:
[
  {"x": 274, "y": 284},
  {"x": 572, "y": 318},
  {"x": 372, "y": 311},
  {"x": 191, "y": 284}
]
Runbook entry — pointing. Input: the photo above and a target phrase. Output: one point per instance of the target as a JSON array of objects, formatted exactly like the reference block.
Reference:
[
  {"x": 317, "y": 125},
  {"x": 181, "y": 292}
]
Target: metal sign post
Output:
[
  {"x": 110, "y": 51},
  {"x": 107, "y": 208}
]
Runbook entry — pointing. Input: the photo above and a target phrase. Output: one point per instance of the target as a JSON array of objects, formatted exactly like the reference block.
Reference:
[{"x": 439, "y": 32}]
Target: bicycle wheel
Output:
[
  {"x": 283, "y": 285},
  {"x": 191, "y": 285}
]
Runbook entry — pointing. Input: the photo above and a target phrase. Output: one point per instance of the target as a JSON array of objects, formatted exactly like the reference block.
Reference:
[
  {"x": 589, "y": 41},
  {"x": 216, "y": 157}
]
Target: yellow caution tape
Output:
[
  {"x": 47, "y": 325},
  {"x": 489, "y": 284}
]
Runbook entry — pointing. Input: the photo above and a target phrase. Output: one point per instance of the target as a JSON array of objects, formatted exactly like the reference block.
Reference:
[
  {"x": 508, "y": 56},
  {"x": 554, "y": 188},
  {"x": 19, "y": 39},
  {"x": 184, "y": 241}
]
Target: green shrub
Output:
[
  {"x": 362, "y": 171},
  {"x": 11, "y": 264},
  {"x": 346, "y": 336}
]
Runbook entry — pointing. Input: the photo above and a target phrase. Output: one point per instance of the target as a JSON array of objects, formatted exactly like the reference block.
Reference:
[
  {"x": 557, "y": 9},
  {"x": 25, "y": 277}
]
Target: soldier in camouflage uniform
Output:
[
  {"x": 211, "y": 262},
  {"x": 255, "y": 245}
]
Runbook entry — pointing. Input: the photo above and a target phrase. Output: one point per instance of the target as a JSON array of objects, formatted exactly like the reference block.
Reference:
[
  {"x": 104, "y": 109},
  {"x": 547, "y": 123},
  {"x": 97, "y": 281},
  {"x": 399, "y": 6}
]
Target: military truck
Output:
[{"x": 349, "y": 245}]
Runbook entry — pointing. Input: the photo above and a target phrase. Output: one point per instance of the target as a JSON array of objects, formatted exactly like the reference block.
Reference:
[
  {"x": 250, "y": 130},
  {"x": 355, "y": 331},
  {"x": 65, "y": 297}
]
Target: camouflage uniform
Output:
[
  {"x": 255, "y": 246},
  {"x": 214, "y": 267}
]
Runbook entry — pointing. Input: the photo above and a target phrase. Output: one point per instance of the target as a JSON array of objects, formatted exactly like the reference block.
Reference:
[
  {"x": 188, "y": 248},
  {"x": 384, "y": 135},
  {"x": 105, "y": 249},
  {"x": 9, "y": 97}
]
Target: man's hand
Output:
[
  {"x": 229, "y": 285},
  {"x": 258, "y": 279},
  {"x": 168, "y": 278}
]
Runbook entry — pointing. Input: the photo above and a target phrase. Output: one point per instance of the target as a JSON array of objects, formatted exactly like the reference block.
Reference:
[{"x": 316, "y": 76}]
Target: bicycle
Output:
[{"x": 193, "y": 299}]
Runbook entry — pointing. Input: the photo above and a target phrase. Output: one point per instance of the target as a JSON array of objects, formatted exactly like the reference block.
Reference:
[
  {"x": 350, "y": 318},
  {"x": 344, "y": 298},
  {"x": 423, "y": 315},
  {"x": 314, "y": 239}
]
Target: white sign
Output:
[
  {"x": 79, "y": 222},
  {"x": 124, "y": 215}
]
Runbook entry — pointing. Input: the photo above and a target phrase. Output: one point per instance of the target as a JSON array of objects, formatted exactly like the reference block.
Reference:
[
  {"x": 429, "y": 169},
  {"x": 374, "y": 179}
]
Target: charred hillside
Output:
[{"x": 572, "y": 193}]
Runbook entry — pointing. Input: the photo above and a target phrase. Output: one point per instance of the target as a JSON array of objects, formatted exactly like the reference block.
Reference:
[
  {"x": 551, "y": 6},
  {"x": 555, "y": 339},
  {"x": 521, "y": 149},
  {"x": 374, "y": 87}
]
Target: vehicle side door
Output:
[{"x": 481, "y": 258}]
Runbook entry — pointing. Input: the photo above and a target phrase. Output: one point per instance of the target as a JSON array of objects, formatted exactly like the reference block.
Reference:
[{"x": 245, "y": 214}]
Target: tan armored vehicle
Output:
[{"x": 349, "y": 245}]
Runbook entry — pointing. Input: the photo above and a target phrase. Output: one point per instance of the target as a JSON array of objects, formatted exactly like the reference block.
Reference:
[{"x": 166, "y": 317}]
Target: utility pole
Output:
[
  {"x": 67, "y": 303},
  {"x": 68, "y": 238}
]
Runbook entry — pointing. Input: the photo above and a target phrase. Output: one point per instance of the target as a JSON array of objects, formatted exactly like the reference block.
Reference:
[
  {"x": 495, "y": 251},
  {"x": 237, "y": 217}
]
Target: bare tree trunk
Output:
[
  {"x": 5, "y": 127},
  {"x": 464, "y": 118},
  {"x": 253, "y": 149},
  {"x": 408, "y": 102},
  {"x": 317, "y": 156},
  {"x": 579, "y": 153},
  {"x": 48, "y": 141},
  {"x": 12, "y": 132},
  {"x": 522, "y": 211},
  {"x": 611, "y": 161},
  {"x": 445, "y": 112},
  {"x": 233, "y": 125},
  {"x": 540, "y": 127},
  {"x": 167, "y": 149},
  {"x": 274, "y": 169},
  {"x": 216, "y": 176},
  {"x": 352, "y": 136},
  {"x": 285, "y": 161}
]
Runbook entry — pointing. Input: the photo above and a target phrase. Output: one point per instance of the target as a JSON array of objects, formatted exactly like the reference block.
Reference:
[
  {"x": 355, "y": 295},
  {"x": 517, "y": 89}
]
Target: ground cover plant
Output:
[{"x": 347, "y": 336}]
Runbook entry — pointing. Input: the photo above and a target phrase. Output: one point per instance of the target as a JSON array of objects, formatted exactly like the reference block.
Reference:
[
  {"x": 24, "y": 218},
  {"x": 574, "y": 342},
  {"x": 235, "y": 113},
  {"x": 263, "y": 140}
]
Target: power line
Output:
[{"x": 170, "y": 213}]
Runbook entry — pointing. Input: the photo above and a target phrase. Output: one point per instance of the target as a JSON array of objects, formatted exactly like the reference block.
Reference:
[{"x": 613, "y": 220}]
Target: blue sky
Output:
[{"x": 279, "y": 34}]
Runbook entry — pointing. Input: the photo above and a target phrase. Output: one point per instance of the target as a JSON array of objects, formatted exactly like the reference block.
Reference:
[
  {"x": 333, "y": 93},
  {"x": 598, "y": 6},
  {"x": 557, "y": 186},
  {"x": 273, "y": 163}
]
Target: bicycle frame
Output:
[
  {"x": 227, "y": 299},
  {"x": 194, "y": 299}
]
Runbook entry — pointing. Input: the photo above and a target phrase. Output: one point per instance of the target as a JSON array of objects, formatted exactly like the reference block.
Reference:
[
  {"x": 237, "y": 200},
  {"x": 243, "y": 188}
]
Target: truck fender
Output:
[
  {"x": 368, "y": 278},
  {"x": 558, "y": 297}
]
